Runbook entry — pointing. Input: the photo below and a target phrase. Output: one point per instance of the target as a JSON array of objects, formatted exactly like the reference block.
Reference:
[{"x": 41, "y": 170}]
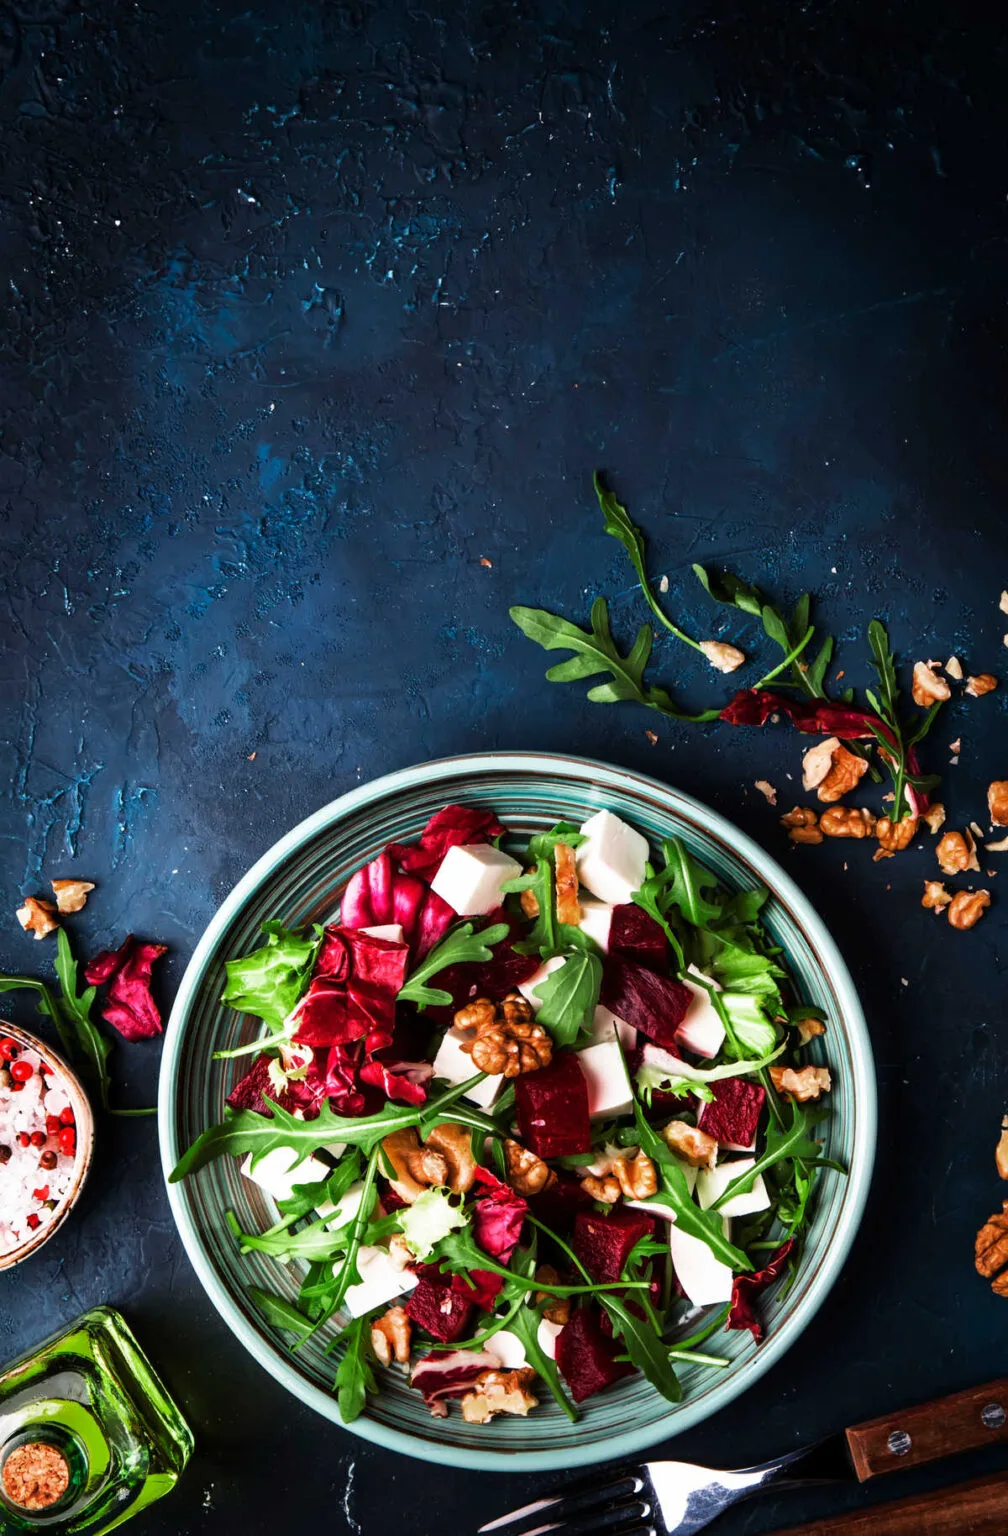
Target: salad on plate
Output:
[{"x": 532, "y": 1117}]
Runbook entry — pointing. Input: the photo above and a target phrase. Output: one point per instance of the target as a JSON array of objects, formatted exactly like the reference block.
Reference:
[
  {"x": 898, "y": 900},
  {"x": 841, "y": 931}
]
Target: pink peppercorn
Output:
[
  {"x": 9, "y": 1049},
  {"x": 67, "y": 1141},
  {"x": 66, "y": 1116},
  {"x": 23, "y": 1139},
  {"x": 38, "y": 1138},
  {"x": 52, "y": 1125},
  {"x": 41, "y": 1194},
  {"x": 34, "y": 1221},
  {"x": 21, "y": 1071}
]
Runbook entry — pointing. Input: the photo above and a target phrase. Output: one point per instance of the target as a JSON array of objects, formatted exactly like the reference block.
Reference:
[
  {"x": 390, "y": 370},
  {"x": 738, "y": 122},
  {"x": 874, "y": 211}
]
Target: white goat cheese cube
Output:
[
  {"x": 609, "y": 1090},
  {"x": 382, "y": 1280},
  {"x": 609, "y": 1026},
  {"x": 456, "y": 1066},
  {"x": 392, "y": 932},
  {"x": 508, "y": 1348},
  {"x": 611, "y": 860},
  {"x": 546, "y": 1337},
  {"x": 596, "y": 920},
  {"x": 528, "y": 988},
  {"x": 344, "y": 1209},
  {"x": 470, "y": 877},
  {"x": 704, "y": 1278},
  {"x": 701, "y": 1031},
  {"x": 712, "y": 1184},
  {"x": 276, "y": 1174}
]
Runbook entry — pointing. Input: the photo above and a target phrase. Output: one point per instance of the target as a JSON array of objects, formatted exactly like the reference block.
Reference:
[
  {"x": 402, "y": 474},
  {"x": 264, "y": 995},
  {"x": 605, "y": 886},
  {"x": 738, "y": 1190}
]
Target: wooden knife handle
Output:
[
  {"x": 930, "y": 1431},
  {"x": 979, "y": 1508}
]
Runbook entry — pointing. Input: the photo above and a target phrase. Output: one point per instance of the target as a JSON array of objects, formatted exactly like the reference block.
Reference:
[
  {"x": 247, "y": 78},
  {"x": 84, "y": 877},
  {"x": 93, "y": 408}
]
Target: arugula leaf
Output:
[
  {"x": 314, "y": 1242},
  {"x": 725, "y": 587},
  {"x": 348, "y": 1274},
  {"x": 747, "y": 971},
  {"x": 280, "y": 1313},
  {"x": 793, "y": 1141},
  {"x": 91, "y": 1044},
  {"x": 681, "y": 884},
  {"x": 542, "y": 938},
  {"x": 644, "y": 1347},
  {"x": 649, "y": 899},
  {"x": 525, "y": 1323},
  {"x": 243, "y": 1130},
  {"x": 271, "y": 980},
  {"x": 596, "y": 652},
  {"x": 619, "y": 526},
  {"x": 896, "y": 746},
  {"x": 459, "y": 1252},
  {"x": 675, "y": 1194},
  {"x": 305, "y": 1197},
  {"x": 542, "y": 845},
  {"x": 653, "y": 1078},
  {"x": 460, "y": 946},
  {"x": 45, "y": 1005},
  {"x": 569, "y": 996},
  {"x": 355, "y": 1376},
  {"x": 884, "y": 664},
  {"x": 792, "y": 635}
]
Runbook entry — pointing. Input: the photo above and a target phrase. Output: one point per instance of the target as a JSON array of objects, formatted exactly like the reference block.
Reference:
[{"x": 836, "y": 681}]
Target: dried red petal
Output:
[
  {"x": 747, "y": 1288},
  {"x": 129, "y": 1005}
]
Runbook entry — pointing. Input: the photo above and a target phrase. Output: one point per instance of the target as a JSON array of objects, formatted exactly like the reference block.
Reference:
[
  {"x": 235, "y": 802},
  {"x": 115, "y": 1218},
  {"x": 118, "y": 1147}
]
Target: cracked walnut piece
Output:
[
  {"x": 1001, "y": 1152},
  {"x": 894, "y": 836},
  {"x": 558, "y": 1308},
  {"x": 508, "y": 1039},
  {"x": 991, "y": 1251},
  {"x": 606, "y": 1190},
  {"x": 984, "y": 682},
  {"x": 934, "y": 817},
  {"x": 997, "y": 802},
  {"x": 723, "y": 657},
  {"x": 636, "y": 1176},
  {"x": 843, "y": 771},
  {"x": 71, "y": 894},
  {"x": 693, "y": 1146},
  {"x": 846, "y": 821},
  {"x": 967, "y": 908},
  {"x": 802, "y": 825},
  {"x": 808, "y": 1029},
  {"x": 806, "y": 1084},
  {"x": 928, "y": 688},
  {"x": 37, "y": 917},
  {"x": 567, "y": 905},
  {"x": 817, "y": 762},
  {"x": 935, "y": 897},
  {"x": 526, "y": 1173},
  {"x": 956, "y": 852},
  {"x": 499, "y": 1392},
  {"x": 391, "y": 1335}
]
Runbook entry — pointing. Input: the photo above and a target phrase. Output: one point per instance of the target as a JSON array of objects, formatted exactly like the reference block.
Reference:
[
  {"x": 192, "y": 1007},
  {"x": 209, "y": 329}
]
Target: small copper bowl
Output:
[{"x": 84, "y": 1118}]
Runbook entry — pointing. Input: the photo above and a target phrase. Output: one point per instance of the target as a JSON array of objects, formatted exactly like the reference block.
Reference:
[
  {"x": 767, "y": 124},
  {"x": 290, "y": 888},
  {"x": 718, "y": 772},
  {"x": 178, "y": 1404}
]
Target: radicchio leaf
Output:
[
  {"x": 497, "y": 1217},
  {"x": 447, "y": 828},
  {"x": 129, "y": 1005},
  {"x": 451, "y": 1374},
  {"x": 403, "y": 1081},
  {"x": 747, "y": 1288},
  {"x": 379, "y": 894},
  {"x": 256, "y": 1091}
]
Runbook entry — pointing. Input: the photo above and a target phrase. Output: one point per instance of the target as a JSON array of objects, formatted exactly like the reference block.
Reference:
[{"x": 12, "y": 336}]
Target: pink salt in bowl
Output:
[{"x": 28, "y": 1218}]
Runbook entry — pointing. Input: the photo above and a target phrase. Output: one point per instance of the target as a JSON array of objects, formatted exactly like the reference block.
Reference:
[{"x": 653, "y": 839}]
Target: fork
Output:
[{"x": 677, "y": 1498}]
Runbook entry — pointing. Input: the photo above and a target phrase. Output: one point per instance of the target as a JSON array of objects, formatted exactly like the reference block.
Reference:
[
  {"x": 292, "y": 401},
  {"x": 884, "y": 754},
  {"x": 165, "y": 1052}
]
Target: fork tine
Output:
[
  {"x": 633, "y": 1520},
  {"x": 560, "y": 1505}
]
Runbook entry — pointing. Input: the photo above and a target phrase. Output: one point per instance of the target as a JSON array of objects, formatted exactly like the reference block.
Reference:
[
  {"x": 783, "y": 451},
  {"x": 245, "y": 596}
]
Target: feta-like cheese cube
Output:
[
  {"x": 344, "y": 1209},
  {"x": 609, "y": 1090},
  {"x": 528, "y": 988},
  {"x": 456, "y": 1066},
  {"x": 276, "y": 1174},
  {"x": 470, "y": 878},
  {"x": 712, "y": 1184},
  {"x": 701, "y": 1031},
  {"x": 703, "y": 1277},
  {"x": 609, "y": 1026},
  {"x": 611, "y": 860},
  {"x": 546, "y": 1337},
  {"x": 508, "y": 1348},
  {"x": 596, "y": 920},
  {"x": 391, "y": 932},
  {"x": 382, "y": 1280}
]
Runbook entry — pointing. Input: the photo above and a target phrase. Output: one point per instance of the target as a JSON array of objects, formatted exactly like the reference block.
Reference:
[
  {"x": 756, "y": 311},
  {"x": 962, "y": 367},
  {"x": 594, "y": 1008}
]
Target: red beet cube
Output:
[
  {"x": 586, "y": 1358},
  {"x": 733, "y": 1114},
  {"x": 559, "y": 1203},
  {"x": 656, "y": 1005},
  {"x": 634, "y": 935},
  {"x": 436, "y": 1306},
  {"x": 552, "y": 1106},
  {"x": 603, "y": 1243}
]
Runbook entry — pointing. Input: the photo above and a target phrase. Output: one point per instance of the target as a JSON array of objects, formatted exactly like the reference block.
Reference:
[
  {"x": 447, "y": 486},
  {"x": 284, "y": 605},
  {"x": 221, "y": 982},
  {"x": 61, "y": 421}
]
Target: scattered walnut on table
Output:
[
  {"x": 991, "y": 1250},
  {"x": 846, "y": 821},
  {"x": 984, "y": 682},
  {"x": 847, "y": 771},
  {"x": 558, "y": 1308},
  {"x": 604, "y": 1188},
  {"x": 1001, "y": 1152},
  {"x": 935, "y": 897},
  {"x": 807, "y": 1083},
  {"x": 934, "y": 817},
  {"x": 723, "y": 657},
  {"x": 802, "y": 825},
  {"x": 499, "y": 1392},
  {"x": 928, "y": 688},
  {"x": 391, "y": 1336},
  {"x": 567, "y": 905},
  {"x": 954, "y": 668},
  {"x": 894, "y": 836},
  {"x": 817, "y": 762},
  {"x": 956, "y": 852},
  {"x": 526, "y": 1173},
  {"x": 693, "y": 1146},
  {"x": 636, "y": 1176},
  {"x": 508, "y": 1039},
  {"x": 997, "y": 802},
  {"x": 37, "y": 917},
  {"x": 967, "y": 908},
  {"x": 71, "y": 894},
  {"x": 767, "y": 790}
]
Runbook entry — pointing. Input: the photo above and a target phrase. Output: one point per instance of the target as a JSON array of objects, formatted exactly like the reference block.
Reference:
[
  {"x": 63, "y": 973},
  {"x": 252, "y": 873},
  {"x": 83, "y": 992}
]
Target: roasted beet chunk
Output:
[
  {"x": 634, "y": 935},
  {"x": 656, "y": 1005},
  {"x": 559, "y": 1203},
  {"x": 586, "y": 1358},
  {"x": 733, "y": 1114},
  {"x": 603, "y": 1243},
  {"x": 552, "y": 1107},
  {"x": 434, "y": 1305}
]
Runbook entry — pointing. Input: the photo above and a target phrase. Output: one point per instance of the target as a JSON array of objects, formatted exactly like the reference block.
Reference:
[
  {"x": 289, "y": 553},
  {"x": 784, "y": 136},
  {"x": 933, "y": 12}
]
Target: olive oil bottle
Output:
[{"x": 88, "y": 1434}]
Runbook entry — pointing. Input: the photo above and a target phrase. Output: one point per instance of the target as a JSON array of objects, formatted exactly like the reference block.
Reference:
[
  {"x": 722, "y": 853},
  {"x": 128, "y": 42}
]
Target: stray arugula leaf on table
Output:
[{"x": 460, "y": 945}]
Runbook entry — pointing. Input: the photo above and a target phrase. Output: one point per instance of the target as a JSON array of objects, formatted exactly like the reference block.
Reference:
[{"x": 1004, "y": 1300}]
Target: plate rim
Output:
[{"x": 632, "y": 1441}]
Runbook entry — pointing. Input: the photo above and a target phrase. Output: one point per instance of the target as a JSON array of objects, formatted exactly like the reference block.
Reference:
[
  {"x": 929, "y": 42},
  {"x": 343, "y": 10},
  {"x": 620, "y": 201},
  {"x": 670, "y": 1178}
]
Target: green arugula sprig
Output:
[
  {"x": 568, "y": 997},
  {"x": 460, "y": 946},
  {"x": 896, "y": 744},
  {"x": 355, "y": 1377}
]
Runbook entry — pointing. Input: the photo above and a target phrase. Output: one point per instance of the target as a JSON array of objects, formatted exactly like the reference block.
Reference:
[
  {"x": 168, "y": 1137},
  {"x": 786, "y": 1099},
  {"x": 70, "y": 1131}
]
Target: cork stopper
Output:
[{"x": 35, "y": 1476}]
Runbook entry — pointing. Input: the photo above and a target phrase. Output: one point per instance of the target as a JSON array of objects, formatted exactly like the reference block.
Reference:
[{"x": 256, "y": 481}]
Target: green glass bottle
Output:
[{"x": 88, "y": 1434}]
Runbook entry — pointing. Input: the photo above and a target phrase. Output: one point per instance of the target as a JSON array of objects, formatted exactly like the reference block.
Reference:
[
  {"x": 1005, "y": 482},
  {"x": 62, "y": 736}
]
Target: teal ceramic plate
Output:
[{"x": 299, "y": 881}]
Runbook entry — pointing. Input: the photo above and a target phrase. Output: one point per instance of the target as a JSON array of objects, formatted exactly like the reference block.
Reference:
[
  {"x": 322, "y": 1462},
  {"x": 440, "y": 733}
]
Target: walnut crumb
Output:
[
  {"x": 809, "y": 1029},
  {"x": 997, "y": 802},
  {"x": 37, "y": 917},
  {"x": 807, "y": 1083},
  {"x": 935, "y": 897},
  {"x": 391, "y": 1336},
  {"x": 934, "y": 817},
  {"x": 1003, "y": 604},
  {"x": 802, "y": 825},
  {"x": 767, "y": 790},
  {"x": 71, "y": 894},
  {"x": 954, "y": 668},
  {"x": 984, "y": 682},
  {"x": 722, "y": 657},
  {"x": 499, "y": 1392},
  {"x": 566, "y": 886},
  {"x": 1001, "y": 1152},
  {"x": 652, "y": 737},
  {"x": 955, "y": 747},
  {"x": 487, "y": 564},
  {"x": 693, "y": 1146},
  {"x": 956, "y": 853},
  {"x": 928, "y": 688}
]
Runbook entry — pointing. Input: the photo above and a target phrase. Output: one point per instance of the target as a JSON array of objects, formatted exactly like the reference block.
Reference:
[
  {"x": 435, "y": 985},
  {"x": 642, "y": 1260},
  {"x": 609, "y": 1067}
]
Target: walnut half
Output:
[
  {"x": 693, "y": 1146},
  {"x": 991, "y": 1251},
  {"x": 526, "y": 1173},
  {"x": 391, "y": 1335},
  {"x": 636, "y": 1176},
  {"x": 997, "y": 802},
  {"x": 808, "y": 1083},
  {"x": 499, "y": 1392},
  {"x": 508, "y": 1039},
  {"x": 956, "y": 852},
  {"x": 894, "y": 836},
  {"x": 967, "y": 908},
  {"x": 846, "y": 821},
  {"x": 802, "y": 825}
]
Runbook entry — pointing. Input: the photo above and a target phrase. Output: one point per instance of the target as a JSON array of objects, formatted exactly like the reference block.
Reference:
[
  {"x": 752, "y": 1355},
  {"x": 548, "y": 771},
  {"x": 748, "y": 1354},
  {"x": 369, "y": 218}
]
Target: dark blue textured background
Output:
[{"x": 307, "y": 309}]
